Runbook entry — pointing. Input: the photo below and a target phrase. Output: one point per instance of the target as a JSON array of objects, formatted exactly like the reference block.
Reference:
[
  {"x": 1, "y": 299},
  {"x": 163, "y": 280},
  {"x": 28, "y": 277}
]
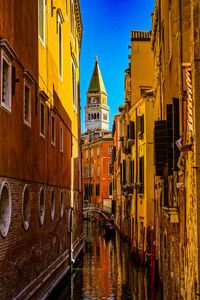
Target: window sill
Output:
[
  {"x": 42, "y": 135},
  {"x": 28, "y": 124},
  {"x": 6, "y": 108}
]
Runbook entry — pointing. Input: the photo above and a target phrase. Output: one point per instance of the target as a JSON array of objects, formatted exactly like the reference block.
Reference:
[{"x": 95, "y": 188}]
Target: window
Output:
[
  {"x": 74, "y": 87},
  {"x": 132, "y": 130},
  {"x": 41, "y": 20},
  {"x": 5, "y": 209},
  {"x": 52, "y": 205},
  {"x": 42, "y": 119},
  {"x": 52, "y": 130},
  {"x": 86, "y": 171},
  {"x": 124, "y": 172},
  {"x": 141, "y": 239},
  {"x": 67, "y": 8},
  {"x": 86, "y": 154},
  {"x": 6, "y": 79},
  {"x": 140, "y": 126},
  {"x": 41, "y": 207},
  {"x": 61, "y": 138},
  {"x": 110, "y": 188},
  {"x": 110, "y": 149},
  {"x": 92, "y": 171},
  {"x": 88, "y": 116},
  {"x": 72, "y": 16},
  {"x": 98, "y": 116},
  {"x": 98, "y": 169},
  {"x": 110, "y": 167},
  {"x": 141, "y": 174},
  {"x": 26, "y": 208},
  {"x": 105, "y": 117},
  {"x": 27, "y": 104},
  {"x": 97, "y": 189},
  {"x": 90, "y": 189},
  {"x": 91, "y": 152},
  {"x": 131, "y": 171},
  {"x": 61, "y": 204},
  {"x": 60, "y": 58},
  {"x": 97, "y": 151}
]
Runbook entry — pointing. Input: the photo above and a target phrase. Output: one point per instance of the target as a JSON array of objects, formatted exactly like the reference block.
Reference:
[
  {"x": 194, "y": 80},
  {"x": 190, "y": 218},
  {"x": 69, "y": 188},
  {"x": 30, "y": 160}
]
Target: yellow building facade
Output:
[
  {"x": 135, "y": 206},
  {"x": 59, "y": 44},
  {"x": 60, "y": 34}
]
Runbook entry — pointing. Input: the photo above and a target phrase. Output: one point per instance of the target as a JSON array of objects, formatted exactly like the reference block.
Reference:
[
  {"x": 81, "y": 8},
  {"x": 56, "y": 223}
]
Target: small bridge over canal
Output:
[{"x": 92, "y": 209}]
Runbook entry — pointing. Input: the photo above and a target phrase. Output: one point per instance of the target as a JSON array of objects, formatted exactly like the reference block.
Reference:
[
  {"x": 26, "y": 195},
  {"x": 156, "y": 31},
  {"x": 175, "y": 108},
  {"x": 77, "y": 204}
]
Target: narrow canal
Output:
[{"x": 107, "y": 272}]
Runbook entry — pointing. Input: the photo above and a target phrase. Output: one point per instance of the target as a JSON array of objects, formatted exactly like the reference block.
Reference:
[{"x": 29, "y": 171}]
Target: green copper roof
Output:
[{"x": 96, "y": 83}]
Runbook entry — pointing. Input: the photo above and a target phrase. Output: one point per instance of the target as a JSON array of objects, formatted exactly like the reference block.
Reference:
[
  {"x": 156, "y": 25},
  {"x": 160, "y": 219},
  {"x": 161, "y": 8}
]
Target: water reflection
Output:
[{"x": 107, "y": 271}]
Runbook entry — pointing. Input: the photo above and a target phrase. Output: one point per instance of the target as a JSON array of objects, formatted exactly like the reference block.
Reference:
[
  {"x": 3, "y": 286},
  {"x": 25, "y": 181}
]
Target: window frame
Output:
[
  {"x": 6, "y": 230},
  {"x": 74, "y": 87},
  {"x": 52, "y": 204},
  {"x": 61, "y": 138},
  {"x": 53, "y": 141},
  {"x": 60, "y": 48},
  {"x": 7, "y": 107},
  {"x": 72, "y": 18},
  {"x": 24, "y": 222},
  {"x": 41, "y": 216},
  {"x": 42, "y": 39},
  {"x": 109, "y": 167},
  {"x": 110, "y": 184},
  {"x": 27, "y": 122},
  {"x": 42, "y": 103},
  {"x": 110, "y": 151}
]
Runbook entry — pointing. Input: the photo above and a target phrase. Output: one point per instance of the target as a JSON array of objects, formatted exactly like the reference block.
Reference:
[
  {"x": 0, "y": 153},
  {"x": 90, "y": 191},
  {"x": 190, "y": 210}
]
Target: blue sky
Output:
[{"x": 107, "y": 26}]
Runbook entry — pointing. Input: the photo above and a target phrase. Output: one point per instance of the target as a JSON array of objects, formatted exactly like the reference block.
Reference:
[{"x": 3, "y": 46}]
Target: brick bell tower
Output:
[{"x": 96, "y": 110}]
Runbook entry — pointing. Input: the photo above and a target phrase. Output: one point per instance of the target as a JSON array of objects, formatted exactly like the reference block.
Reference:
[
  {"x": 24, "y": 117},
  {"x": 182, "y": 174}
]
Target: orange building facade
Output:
[{"x": 97, "y": 170}]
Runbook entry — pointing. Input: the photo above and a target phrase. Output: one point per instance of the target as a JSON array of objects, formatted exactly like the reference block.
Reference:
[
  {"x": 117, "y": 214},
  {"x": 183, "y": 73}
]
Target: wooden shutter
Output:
[
  {"x": 175, "y": 125},
  {"x": 132, "y": 130},
  {"x": 160, "y": 146}
]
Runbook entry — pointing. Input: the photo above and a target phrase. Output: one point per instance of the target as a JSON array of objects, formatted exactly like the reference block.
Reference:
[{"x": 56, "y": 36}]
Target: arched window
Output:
[
  {"x": 52, "y": 205},
  {"x": 5, "y": 209},
  {"x": 95, "y": 116},
  {"x": 110, "y": 188},
  {"x": 61, "y": 204},
  {"x": 41, "y": 207},
  {"x": 92, "y": 117},
  {"x": 88, "y": 116},
  {"x": 26, "y": 207}
]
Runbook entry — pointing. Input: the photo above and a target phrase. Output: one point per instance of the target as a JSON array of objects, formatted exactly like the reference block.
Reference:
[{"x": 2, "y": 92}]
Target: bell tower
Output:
[{"x": 96, "y": 110}]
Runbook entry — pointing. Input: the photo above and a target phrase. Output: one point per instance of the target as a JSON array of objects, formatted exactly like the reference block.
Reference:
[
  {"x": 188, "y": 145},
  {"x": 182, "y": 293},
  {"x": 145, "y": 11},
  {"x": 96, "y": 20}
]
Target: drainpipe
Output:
[{"x": 180, "y": 79}]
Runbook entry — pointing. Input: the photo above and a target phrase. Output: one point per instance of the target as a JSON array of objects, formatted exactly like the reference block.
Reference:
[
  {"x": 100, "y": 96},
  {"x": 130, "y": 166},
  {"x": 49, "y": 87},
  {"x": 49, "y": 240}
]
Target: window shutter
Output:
[
  {"x": 132, "y": 130},
  {"x": 141, "y": 164},
  {"x": 169, "y": 138},
  {"x": 175, "y": 125},
  {"x": 160, "y": 146},
  {"x": 138, "y": 124},
  {"x": 124, "y": 172},
  {"x": 128, "y": 131},
  {"x": 142, "y": 123}
]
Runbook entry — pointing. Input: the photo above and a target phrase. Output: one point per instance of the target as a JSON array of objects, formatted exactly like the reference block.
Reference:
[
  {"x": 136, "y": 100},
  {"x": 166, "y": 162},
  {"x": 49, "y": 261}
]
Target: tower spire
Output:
[{"x": 96, "y": 83}]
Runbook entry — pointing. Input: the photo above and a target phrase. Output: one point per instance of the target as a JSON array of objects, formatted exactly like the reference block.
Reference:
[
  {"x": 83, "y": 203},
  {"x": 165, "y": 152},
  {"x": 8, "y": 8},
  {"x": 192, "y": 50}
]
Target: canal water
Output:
[{"x": 107, "y": 272}]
